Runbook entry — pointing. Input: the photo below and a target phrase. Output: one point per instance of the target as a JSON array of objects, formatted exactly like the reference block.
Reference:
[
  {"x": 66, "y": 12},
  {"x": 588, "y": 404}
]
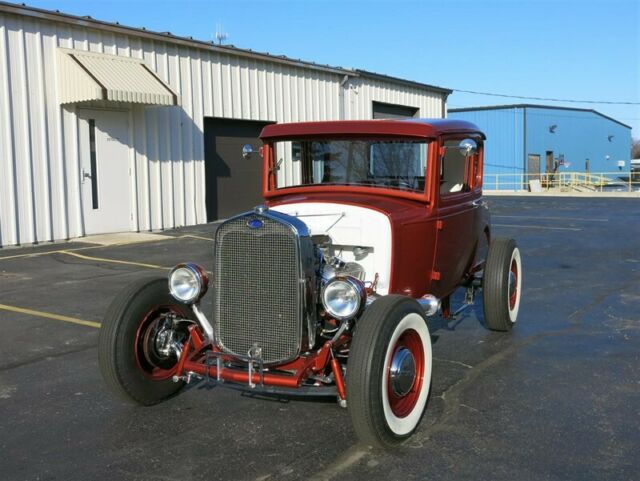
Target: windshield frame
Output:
[{"x": 269, "y": 172}]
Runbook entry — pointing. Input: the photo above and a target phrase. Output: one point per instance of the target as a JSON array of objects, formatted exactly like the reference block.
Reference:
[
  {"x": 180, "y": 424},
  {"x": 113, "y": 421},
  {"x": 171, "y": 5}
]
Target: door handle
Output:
[{"x": 84, "y": 175}]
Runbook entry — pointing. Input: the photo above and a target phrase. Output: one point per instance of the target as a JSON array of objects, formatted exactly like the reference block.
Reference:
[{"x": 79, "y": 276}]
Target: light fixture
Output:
[
  {"x": 343, "y": 297},
  {"x": 188, "y": 282}
]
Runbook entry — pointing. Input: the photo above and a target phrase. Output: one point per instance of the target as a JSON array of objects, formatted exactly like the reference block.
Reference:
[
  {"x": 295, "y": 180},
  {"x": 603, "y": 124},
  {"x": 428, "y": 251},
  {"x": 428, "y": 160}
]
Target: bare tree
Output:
[{"x": 635, "y": 148}]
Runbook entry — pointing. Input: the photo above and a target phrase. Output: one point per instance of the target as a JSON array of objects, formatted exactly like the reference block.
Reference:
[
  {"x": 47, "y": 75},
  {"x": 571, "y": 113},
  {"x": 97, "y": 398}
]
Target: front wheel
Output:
[
  {"x": 389, "y": 371},
  {"x": 140, "y": 340}
]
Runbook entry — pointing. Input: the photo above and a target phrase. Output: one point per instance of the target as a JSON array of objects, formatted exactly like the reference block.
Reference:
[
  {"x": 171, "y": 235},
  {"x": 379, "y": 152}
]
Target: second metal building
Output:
[{"x": 527, "y": 141}]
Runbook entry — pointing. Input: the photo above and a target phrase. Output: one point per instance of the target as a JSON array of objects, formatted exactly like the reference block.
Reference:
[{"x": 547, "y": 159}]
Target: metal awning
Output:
[{"x": 86, "y": 76}]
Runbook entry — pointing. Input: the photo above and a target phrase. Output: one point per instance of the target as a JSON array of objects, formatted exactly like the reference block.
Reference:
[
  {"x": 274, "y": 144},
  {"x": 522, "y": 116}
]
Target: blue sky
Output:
[{"x": 569, "y": 49}]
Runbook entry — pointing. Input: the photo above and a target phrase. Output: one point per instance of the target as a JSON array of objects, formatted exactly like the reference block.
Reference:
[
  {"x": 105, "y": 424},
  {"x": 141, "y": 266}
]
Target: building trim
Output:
[
  {"x": 536, "y": 106},
  {"x": 410, "y": 83},
  {"x": 174, "y": 96}
]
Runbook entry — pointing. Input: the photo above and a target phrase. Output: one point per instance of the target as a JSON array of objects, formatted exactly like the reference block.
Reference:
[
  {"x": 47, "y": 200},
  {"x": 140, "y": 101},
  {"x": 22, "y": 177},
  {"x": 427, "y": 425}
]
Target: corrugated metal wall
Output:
[
  {"x": 504, "y": 128},
  {"x": 578, "y": 136},
  {"x": 40, "y": 198},
  {"x": 361, "y": 92}
]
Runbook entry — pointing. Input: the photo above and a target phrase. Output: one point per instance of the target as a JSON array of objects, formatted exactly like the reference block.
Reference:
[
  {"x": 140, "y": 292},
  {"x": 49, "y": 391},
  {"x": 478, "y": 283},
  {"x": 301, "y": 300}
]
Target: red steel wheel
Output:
[
  {"x": 150, "y": 338},
  {"x": 137, "y": 345},
  {"x": 405, "y": 371},
  {"x": 513, "y": 284}
]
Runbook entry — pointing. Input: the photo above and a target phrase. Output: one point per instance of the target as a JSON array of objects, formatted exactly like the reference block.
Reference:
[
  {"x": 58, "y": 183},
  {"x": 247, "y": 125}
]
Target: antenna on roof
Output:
[{"x": 220, "y": 35}]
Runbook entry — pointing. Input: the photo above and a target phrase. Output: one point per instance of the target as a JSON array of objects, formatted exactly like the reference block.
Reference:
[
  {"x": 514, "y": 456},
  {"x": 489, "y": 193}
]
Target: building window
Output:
[
  {"x": 393, "y": 111},
  {"x": 94, "y": 166}
]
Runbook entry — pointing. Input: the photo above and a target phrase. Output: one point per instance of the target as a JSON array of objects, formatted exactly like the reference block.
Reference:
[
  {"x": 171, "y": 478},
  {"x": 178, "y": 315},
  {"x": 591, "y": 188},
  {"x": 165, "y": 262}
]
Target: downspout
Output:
[
  {"x": 524, "y": 143},
  {"x": 444, "y": 106},
  {"x": 342, "y": 98}
]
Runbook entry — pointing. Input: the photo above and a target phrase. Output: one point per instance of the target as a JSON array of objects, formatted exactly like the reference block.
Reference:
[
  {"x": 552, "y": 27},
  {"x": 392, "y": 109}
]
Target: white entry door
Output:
[{"x": 104, "y": 174}]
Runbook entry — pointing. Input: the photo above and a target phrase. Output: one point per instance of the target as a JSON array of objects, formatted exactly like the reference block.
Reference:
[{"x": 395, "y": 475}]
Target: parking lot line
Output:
[
  {"x": 197, "y": 237},
  {"x": 536, "y": 227},
  {"x": 579, "y": 219},
  {"x": 61, "y": 251},
  {"x": 114, "y": 261},
  {"x": 85, "y": 248},
  {"x": 49, "y": 315}
]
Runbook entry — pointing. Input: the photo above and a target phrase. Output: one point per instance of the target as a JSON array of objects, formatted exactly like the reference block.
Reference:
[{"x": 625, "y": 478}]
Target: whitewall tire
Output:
[
  {"x": 502, "y": 285},
  {"x": 389, "y": 371}
]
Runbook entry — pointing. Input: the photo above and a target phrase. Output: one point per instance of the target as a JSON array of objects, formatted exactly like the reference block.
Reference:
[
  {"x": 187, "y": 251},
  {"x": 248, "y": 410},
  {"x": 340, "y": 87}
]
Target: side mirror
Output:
[
  {"x": 247, "y": 151},
  {"x": 468, "y": 147}
]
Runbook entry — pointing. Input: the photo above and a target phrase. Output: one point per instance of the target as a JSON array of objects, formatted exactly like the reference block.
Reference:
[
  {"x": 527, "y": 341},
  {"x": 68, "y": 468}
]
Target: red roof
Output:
[{"x": 419, "y": 128}]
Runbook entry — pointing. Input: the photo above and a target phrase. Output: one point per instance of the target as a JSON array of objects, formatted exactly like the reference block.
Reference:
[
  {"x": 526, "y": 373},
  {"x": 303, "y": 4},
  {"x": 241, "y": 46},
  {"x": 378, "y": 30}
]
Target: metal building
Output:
[
  {"x": 535, "y": 140},
  {"x": 107, "y": 128}
]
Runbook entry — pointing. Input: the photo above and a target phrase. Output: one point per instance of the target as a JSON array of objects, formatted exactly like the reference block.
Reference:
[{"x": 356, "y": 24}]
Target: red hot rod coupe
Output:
[{"x": 368, "y": 227}]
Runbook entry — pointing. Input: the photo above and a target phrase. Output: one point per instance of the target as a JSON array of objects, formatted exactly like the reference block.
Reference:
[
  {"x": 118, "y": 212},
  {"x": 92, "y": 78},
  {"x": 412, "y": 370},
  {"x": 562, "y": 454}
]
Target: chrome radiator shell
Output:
[{"x": 264, "y": 286}]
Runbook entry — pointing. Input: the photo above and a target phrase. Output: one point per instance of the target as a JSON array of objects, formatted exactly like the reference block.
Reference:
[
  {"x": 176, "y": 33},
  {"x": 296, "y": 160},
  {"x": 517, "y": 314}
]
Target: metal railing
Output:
[{"x": 565, "y": 181}]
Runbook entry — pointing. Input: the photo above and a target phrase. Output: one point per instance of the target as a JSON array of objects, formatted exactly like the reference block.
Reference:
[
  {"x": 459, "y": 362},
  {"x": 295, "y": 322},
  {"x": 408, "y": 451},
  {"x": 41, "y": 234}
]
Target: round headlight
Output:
[
  {"x": 343, "y": 297},
  {"x": 188, "y": 282}
]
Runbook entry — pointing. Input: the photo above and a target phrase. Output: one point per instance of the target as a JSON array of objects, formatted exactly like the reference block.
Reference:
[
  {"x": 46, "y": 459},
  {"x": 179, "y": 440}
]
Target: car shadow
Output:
[
  {"x": 257, "y": 393},
  {"x": 473, "y": 312}
]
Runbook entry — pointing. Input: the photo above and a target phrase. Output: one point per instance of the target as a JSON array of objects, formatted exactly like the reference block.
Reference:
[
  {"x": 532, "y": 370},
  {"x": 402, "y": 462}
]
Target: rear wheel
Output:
[
  {"x": 389, "y": 371},
  {"x": 140, "y": 341},
  {"x": 502, "y": 284}
]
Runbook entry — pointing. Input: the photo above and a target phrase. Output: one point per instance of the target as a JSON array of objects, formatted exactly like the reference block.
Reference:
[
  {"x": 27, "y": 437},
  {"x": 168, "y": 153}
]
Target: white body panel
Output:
[{"x": 350, "y": 226}]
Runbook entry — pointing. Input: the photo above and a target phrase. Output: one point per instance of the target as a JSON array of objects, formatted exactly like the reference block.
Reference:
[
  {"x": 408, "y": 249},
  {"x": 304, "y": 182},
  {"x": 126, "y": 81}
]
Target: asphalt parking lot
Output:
[{"x": 557, "y": 398}]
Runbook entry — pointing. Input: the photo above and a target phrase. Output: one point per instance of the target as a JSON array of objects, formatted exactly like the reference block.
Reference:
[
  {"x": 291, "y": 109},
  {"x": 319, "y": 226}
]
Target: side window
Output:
[{"x": 454, "y": 169}]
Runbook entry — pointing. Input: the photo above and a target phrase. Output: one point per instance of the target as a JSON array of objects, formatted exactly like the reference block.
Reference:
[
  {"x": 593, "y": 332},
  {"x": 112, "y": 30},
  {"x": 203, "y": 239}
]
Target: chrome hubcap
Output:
[{"x": 402, "y": 372}]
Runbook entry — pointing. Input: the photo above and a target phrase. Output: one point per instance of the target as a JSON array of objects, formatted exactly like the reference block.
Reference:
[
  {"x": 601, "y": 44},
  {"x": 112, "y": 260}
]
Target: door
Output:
[
  {"x": 549, "y": 156},
  {"x": 457, "y": 216},
  {"x": 233, "y": 184},
  {"x": 533, "y": 166},
  {"x": 104, "y": 170}
]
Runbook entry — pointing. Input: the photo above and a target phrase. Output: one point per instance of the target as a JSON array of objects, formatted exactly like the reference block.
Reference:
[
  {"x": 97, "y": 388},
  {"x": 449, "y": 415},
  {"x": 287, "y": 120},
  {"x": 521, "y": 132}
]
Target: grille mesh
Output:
[{"x": 257, "y": 289}]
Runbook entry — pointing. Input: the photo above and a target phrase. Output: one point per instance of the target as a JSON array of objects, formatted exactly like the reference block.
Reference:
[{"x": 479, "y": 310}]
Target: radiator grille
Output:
[{"x": 257, "y": 289}]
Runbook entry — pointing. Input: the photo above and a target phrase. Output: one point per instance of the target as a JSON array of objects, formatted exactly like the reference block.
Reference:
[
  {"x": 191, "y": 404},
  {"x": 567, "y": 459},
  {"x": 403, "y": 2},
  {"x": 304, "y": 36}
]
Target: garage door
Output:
[
  {"x": 233, "y": 184},
  {"x": 393, "y": 111}
]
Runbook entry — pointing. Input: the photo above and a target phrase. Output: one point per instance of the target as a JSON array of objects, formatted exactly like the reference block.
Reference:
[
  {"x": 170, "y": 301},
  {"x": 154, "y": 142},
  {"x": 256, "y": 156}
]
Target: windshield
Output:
[{"x": 395, "y": 164}]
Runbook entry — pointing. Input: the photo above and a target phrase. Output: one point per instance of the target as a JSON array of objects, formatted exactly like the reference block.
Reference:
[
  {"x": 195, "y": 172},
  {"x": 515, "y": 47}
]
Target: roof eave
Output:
[
  {"x": 88, "y": 22},
  {"x": 410, "y": 83},
  {"x": 538, "y": 106}
]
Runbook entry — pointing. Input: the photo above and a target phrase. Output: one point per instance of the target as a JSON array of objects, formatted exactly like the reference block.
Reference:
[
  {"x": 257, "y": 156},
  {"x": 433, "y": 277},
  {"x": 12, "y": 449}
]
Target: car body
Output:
[
  {"x": 430, "y": 240},
  {"x": 367, "y": 228}
]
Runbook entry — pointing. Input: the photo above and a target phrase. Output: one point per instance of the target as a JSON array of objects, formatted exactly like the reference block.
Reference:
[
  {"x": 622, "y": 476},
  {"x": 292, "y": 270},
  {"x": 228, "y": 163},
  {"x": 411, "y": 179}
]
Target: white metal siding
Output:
[
  {"x": 363, "y": 91},
  {"x": 40, "y": 198}
]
